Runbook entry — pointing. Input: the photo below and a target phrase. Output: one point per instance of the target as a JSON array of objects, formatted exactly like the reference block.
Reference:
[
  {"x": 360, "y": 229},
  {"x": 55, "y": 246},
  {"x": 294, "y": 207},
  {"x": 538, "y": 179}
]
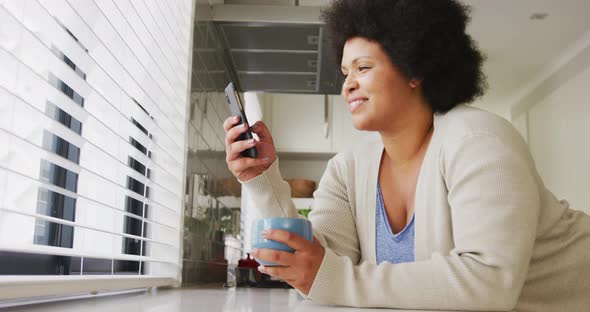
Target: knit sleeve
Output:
[
  {"x": 494, "y": 202},
  {"x": 331, "y": 216},
  {"x": 270, "y": 195}
]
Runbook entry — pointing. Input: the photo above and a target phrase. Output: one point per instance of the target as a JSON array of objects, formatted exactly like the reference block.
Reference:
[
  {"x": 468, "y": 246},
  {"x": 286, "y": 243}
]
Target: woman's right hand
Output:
[{"x": 246, "y": 168}]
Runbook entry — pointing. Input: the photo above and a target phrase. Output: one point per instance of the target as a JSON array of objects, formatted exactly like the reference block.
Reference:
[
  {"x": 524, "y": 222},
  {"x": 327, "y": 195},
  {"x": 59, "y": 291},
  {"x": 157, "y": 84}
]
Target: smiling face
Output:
[{"x": 377, "y": 93}]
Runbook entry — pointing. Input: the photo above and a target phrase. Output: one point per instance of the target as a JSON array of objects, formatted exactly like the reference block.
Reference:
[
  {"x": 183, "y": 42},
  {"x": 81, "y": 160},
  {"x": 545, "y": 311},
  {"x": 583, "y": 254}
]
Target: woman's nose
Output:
[{"x": 350, "y": 84}]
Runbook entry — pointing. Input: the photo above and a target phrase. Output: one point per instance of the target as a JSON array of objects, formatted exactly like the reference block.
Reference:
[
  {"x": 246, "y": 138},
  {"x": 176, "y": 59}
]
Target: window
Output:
[
  {"x": 137, "y": 166},
  {"x": 137, "y": 187},
  {"x": 134, "y": 246},
  {"x": 61, "y": 147},
  {"x": 59, "y": 176},
  {"x": 124, "y": 267},
  {"x": 64, "y": 118},
  {"x": 132, "y": 226},
  {"x": 65, "y": 89},
  {"x": 56, "y": 205},
  {"x": 139, "y": 147},
  {"x": 140, "y": 127},
  {"x": 143, "y": 109},
  {"x": 60, "y": 55},
  {"x": 50, "y": 228},
  {"x": 94, "y": 266},
  {"x": 136, "y": 207},
  {"x": 53, "y": 234},
  {"x": 72, "y": 35},
  {"x": 16, "y": 263}
]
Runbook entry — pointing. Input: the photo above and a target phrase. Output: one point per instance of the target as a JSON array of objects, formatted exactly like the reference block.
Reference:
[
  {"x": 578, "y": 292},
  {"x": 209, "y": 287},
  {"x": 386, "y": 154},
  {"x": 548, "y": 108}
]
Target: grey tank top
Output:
[{"x": 393, "y": 248}]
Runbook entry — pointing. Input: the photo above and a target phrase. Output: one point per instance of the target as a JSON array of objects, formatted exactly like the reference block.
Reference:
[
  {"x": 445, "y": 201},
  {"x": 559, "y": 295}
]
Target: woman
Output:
[{"x": 447, "y": 210}]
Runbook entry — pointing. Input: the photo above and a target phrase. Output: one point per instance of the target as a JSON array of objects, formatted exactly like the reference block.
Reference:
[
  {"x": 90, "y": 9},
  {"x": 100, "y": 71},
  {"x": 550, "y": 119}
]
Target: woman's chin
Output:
[{"x": 361, "y": 124}]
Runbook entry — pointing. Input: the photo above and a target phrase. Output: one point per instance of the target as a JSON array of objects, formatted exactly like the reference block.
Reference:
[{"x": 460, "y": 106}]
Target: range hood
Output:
[{"x": 281, "y": 49}]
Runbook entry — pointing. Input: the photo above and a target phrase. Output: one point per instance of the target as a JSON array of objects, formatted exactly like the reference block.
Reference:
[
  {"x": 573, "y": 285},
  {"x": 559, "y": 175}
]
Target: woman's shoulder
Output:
[
  {"x": 466, "y": 121},
  {"x": 465, "y": 125}
]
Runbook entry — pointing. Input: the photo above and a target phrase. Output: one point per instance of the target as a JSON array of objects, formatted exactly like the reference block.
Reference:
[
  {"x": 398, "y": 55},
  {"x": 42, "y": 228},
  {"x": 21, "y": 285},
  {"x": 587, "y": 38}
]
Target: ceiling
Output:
[{"x": 519, "y": 49}]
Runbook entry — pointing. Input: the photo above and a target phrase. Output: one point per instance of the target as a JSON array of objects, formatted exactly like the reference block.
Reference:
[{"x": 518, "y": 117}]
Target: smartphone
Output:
[{"x": 237, "y": 109}]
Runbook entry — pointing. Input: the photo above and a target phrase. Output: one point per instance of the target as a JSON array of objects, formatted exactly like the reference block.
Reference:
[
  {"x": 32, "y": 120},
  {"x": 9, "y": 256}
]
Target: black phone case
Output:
[{"x": 233, "y": 100}]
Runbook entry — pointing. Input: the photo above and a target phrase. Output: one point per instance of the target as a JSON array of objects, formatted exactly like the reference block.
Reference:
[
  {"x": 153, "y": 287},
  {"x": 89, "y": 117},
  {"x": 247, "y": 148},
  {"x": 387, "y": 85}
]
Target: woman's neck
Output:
[{"x": 410, "y": 138}]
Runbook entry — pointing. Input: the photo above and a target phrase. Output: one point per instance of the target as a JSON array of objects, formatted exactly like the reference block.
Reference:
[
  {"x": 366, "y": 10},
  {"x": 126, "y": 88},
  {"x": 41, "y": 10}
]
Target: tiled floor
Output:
[{"x": 191, "y": 300}]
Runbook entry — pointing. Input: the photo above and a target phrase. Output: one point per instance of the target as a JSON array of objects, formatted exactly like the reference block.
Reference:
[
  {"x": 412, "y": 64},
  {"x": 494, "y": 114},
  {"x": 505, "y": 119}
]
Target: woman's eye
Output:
[{"x": 363, "y": 68}]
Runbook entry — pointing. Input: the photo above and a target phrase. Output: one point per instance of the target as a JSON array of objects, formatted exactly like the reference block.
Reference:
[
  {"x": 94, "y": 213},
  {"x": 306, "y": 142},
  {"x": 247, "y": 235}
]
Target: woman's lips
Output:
[{"x": 355, "y": 104}]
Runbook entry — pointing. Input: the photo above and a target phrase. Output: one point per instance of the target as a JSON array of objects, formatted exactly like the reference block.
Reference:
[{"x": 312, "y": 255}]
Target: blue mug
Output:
[{"x": 301, "y": 227}]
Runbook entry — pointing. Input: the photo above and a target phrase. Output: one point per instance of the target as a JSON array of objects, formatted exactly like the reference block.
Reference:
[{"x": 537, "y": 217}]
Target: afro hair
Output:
[{"x": 425, "y": 39}]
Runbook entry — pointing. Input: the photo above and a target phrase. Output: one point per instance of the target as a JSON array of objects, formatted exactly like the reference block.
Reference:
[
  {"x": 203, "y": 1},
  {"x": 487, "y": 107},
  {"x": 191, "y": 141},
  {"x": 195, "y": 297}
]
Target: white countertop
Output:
[{"x": 193, "y": 299}]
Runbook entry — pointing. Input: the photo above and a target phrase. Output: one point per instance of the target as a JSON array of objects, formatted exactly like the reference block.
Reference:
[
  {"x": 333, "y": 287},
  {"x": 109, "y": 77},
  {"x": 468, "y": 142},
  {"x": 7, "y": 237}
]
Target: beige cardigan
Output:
[{"x": 488, "y": 234}]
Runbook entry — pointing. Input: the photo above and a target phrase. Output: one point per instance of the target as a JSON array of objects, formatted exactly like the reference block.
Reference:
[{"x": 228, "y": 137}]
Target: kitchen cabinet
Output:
[
  {"x": 298, "y": 122},
  {"x": 308, "y": 123}
]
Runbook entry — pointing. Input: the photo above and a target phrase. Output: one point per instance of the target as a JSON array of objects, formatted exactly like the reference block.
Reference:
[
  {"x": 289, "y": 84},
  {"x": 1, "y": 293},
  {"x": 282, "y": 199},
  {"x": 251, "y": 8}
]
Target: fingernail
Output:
[
  {"x": 254, "y": 126},
  {"x": 261, "y": 269},
  {"x": 266, "y": 159},
  {"x": 236, "y": 118},
  {"x": 265, "y": 233},
  {"x": 254, "y": 252},
  {"x": 244, "y": 126},
  {"x": 251, "y": 141}
]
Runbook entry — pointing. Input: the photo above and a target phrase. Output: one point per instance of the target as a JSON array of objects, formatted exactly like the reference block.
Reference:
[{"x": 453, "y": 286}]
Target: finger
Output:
[
  {"x": 265, "y": 146},
  {"x": 230, "y": 122},
  {"x": 316, "y": 241},
  {"x": 261, "y": 130},
  {"x": 290, "y": 239},
  {"x": 241, "y": 164},
  {"x": 233, "y": 134},
  {"x": 285, "y": 273},
  {"x": 239, "y": 146},
  {"x": 279, "y": 257}
]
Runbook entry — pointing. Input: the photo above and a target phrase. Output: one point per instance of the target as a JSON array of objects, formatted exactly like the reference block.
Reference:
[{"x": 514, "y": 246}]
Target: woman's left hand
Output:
[{"x": 298, "y": 269}]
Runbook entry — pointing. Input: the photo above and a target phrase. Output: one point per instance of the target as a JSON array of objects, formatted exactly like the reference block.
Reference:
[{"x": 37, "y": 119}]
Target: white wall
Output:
[
  {"x": 556, "y": 118},
  {"x": 559, "y": 130}
]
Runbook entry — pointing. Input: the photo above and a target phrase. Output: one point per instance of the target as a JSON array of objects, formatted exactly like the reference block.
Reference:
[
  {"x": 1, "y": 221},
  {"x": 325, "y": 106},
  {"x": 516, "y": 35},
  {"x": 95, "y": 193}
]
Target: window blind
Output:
[{"x": 92, "y": 126}]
